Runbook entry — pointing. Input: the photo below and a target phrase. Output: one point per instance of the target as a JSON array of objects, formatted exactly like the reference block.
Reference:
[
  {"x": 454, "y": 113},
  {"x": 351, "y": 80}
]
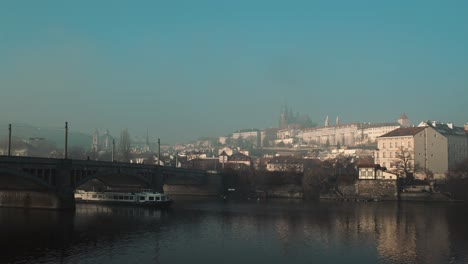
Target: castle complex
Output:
[{"x": 350, "y": 134}]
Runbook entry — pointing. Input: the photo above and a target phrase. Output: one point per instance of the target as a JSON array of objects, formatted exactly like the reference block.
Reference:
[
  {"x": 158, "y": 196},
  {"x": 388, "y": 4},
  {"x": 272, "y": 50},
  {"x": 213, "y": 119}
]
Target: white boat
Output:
[{"x": 139, "y": 198}]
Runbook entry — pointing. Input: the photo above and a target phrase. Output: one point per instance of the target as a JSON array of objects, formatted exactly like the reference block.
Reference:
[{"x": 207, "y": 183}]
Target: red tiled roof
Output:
[{"x": 405, "y": 131}]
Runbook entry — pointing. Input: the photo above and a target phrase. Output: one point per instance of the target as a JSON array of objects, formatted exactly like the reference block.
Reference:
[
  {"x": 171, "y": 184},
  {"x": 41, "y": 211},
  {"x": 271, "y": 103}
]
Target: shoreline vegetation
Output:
[{"x": 344, "y": 187}]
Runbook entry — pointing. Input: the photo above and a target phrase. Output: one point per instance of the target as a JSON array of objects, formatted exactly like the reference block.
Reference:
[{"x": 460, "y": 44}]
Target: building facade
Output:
[
  {"x": 374, "y": 172},
  {"x": 419, "y": 150},
  {"x": 457, "y": 141},
  {"x": 370, "y": 132}
]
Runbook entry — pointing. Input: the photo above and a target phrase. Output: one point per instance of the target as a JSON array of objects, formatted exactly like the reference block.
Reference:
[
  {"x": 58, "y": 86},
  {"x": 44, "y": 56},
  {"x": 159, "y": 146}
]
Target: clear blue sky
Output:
[{"x": 185, "y": 69}]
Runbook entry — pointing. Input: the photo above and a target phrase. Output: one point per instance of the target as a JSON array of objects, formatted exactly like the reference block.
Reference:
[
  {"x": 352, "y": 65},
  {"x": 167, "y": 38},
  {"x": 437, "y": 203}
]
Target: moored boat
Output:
[{"x": 137, "y": 198}]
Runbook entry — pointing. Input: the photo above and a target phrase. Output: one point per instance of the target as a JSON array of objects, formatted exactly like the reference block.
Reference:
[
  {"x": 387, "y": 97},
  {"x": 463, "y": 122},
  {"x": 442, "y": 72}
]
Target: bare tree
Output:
[
  {"x": 403, "y": 164},
  {"x": 124, "y": 145}
]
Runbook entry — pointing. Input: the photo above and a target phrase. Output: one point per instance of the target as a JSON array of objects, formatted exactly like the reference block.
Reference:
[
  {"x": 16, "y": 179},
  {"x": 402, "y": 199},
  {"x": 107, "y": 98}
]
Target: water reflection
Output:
[{"x": 207, "y": 231}]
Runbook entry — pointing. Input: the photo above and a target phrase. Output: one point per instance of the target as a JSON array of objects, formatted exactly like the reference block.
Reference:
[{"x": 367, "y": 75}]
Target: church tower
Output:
[
  {"x": 283, "y": 120},
  {"x": 404, "y": 121},
  {"x": 107, "y": 140},
  {"x": 326, "y": 122},
  {"x": 95, "y": 144}
]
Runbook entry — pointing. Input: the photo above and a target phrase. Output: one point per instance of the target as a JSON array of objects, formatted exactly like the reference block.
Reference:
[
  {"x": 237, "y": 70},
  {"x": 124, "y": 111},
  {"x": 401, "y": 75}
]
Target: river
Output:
[{"x": 209, "y": 230}]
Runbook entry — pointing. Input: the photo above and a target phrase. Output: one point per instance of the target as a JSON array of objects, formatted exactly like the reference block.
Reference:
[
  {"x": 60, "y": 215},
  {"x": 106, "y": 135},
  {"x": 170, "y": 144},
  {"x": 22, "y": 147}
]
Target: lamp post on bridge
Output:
[
  {"x": 9, "y": 139},
  {"x": 65, "y": 154},
  {"x": 159, "y": 151},
  {"x": 113, "y": 149}
]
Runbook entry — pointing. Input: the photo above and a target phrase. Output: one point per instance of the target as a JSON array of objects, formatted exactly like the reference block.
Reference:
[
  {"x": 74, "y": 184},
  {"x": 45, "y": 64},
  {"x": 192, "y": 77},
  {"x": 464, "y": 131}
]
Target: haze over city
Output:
[{"x": 189, "y": 69}]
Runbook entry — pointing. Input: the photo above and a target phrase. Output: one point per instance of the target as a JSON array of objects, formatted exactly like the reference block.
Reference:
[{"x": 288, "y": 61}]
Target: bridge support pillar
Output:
[
  {"x": 64, "y": 190},
  {"x": 157, "y": 180}
]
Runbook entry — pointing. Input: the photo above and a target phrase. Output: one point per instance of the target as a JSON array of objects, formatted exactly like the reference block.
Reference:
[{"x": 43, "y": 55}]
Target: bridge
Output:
[{"x": 50, "y": 183}]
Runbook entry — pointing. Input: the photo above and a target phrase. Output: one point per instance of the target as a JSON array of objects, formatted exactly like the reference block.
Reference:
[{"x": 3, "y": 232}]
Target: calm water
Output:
[{"x": 213, "y": 231}]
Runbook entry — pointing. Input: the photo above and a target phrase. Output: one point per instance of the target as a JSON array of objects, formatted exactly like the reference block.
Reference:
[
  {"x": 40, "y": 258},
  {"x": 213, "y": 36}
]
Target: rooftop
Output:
[{"x": 404, "y": 131}]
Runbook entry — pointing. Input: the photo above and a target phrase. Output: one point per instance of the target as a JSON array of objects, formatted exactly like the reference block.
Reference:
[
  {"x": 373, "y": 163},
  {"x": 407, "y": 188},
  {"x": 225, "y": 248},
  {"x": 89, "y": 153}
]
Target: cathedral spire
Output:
[
  {"x": 326, "y": 121},
  {"x": 337, "y": 121}
]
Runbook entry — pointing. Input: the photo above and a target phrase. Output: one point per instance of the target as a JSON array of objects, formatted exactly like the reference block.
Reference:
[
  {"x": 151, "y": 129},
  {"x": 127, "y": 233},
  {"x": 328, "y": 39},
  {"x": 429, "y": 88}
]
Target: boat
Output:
[{"x": 144, "y": 197}]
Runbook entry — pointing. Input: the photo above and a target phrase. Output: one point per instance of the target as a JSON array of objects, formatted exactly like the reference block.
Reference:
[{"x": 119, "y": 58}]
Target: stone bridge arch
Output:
[
  {"x": 11, "y": 179},
  {"x": 115, "y": 178}
]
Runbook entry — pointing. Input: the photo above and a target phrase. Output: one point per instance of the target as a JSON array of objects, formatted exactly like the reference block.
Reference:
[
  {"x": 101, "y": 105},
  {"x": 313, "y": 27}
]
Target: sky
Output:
[{"x": 188, "y": 69}]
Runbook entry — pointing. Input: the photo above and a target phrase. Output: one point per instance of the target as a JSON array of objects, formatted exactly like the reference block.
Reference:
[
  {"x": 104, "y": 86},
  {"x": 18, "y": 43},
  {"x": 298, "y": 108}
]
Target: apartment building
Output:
[{"x": 420, "y": 149}]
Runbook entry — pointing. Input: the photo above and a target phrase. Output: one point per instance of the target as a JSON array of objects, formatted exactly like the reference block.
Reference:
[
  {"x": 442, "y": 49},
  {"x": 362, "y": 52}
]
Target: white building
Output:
[
  {"x": 287, "y": 133},
  {"x": 369, "y": 132},
  {"x": 285, "y": 164},
  {"x": 375, "y": 172},
  {"x": 246, "y": 135},
  {"x": 342, "y": 134},
  {"x": 348, "y": 134}
]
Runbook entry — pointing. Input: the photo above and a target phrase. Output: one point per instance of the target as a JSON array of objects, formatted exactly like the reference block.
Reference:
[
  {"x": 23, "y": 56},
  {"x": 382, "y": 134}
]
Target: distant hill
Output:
[{"x": 54, "y": 135}]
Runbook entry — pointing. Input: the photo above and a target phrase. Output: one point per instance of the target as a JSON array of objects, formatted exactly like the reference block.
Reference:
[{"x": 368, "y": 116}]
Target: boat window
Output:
[
  {"x": 94, "y": 196},
  {"x": 116, "y": 197},
  {"x": 120, "y": 197},
  {"x": 158, "y": 198},
  {"x": 142, "y": 198},
  {"x": 151, "y": 198}
]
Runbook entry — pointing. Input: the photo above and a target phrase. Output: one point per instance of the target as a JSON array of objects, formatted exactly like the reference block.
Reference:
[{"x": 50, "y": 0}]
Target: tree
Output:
[
  {"x": 403, "y": 164},
  {"x": 124, "y": 146},
  {"x": 316, "y": 180}
]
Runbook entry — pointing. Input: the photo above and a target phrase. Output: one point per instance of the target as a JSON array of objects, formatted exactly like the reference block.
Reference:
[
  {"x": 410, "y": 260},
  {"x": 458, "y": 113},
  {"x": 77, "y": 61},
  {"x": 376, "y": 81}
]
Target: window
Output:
[
  {"x": 409, "y": 144},
  {"x": 383, "y": 154},
  {"x": 142, "y": 198},
  {"x": 158, "y": 198},
  {"x": 94, "y": 196},
  {"x": 391, "y": 145},
  {"x": 383, "y": 145},
  {"x": 377, "y": 155},
  {"x": 151, "y": 198},
  {"x": 390, "y": 155}
]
